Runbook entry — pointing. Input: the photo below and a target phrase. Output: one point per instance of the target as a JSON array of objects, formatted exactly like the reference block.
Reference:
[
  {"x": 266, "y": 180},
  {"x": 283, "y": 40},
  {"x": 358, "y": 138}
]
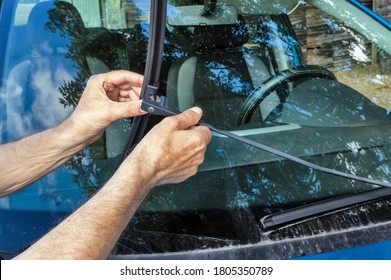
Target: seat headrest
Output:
[
  {"x": 209, "y": 37},
  {"x": 55, "y": 23}
]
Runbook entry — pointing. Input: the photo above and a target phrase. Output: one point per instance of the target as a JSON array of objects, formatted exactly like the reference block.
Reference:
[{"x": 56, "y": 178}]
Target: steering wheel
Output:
[{"x": 271, "y": 84}]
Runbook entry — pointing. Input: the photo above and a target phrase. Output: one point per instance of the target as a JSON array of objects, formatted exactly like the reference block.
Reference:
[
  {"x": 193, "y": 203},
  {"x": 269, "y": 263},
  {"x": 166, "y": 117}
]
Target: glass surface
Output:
[{"x": 52, "y": 48}]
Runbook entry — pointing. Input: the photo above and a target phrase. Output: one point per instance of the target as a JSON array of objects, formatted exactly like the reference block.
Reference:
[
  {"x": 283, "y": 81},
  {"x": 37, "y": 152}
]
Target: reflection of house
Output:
[
  {"x": 382, "y": 7},
  {"x": 333, "y": 47}
]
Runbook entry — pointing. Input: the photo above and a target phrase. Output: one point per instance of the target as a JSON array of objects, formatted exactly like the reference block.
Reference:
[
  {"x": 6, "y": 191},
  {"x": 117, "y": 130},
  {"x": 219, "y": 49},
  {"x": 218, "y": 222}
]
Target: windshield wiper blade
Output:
[
  {"x": 152, "y": 69},
  {"x": 324, "y": 206},
  {"x": 160, "y": 108}
]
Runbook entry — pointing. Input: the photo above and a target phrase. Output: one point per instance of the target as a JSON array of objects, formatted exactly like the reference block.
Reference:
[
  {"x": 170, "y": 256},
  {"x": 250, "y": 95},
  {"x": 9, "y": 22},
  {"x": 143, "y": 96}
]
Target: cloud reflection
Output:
[{"x": 32, "y": 96}]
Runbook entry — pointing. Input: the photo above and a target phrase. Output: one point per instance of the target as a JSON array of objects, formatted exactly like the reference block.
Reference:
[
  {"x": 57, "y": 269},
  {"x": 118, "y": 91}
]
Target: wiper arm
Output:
[
  {"x": 316, "y": 208},
  {"x": 160, "y": 108}
]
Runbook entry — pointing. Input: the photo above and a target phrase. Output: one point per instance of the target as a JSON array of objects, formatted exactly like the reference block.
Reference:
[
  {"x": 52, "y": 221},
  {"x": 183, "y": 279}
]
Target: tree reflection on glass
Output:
[{"x": 117, "y": 49}]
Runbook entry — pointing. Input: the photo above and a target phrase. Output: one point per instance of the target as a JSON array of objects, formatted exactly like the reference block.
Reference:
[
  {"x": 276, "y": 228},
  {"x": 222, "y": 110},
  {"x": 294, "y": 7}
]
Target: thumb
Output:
[
  {"x": 128, "y": 109},
  {"x": 189, "y": 118}
]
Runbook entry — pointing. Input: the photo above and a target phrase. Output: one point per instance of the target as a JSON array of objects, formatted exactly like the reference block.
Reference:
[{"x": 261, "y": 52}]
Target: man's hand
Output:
[
  {"x": 172, "y": 151},
  {"x": 107, "y": 98}
]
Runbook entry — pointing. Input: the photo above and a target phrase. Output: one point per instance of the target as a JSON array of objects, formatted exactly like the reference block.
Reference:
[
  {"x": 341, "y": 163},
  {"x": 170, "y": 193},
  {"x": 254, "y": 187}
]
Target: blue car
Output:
[{"x": 297, "y": 93}]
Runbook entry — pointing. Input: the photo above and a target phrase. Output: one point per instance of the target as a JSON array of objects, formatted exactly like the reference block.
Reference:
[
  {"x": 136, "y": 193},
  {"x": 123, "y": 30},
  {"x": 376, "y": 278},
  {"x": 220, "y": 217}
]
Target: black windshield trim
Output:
[
  {"x": 324, "y": 206},
  {"x": 284, "y": 249}
]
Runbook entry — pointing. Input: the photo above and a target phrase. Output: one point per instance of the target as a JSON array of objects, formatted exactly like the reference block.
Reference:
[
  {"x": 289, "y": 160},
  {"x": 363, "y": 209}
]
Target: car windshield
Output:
[{"x": 310, "y": 79}]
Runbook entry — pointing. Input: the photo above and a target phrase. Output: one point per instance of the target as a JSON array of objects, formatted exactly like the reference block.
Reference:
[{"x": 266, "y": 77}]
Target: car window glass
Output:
[
  {"x": 52, "y": 48},
  {"x": 337, "y": 117}
]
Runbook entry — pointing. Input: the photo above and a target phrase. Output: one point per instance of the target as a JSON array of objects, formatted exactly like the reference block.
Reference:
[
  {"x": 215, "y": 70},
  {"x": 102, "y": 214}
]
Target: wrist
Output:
[
  {"x": 70, "y": 137},
  {"x": 78, "y": 132},
  {"x": 135, "y": 171},
  {"x": 126, "y": 189}
]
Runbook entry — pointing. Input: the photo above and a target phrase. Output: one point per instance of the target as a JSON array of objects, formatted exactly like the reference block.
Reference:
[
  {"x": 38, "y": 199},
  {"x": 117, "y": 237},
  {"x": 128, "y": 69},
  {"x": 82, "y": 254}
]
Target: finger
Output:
[
  {"x": 124, "y": 99},
  {"x": 132, "y": 93},
  {"x": 120, "y": 78},
  {"x": 207, "y": 134},
  {"x": 188, "y": 118},
  {"x": 121, "y": 110},
  {"x": 123, "y": 77}
]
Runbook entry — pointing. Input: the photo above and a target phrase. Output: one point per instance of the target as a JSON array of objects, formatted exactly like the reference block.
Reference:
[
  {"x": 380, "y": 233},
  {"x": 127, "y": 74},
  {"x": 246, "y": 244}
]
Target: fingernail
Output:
[{"x": 197, "y": 110}]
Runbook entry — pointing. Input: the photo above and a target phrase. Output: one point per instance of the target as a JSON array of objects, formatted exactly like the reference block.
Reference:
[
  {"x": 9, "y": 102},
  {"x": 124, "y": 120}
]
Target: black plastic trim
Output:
[{"x": 283, "y": 249}]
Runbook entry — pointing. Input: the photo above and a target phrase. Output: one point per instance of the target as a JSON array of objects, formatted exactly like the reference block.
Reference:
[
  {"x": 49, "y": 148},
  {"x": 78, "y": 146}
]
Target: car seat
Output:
[{"x": 219, "y": 75}]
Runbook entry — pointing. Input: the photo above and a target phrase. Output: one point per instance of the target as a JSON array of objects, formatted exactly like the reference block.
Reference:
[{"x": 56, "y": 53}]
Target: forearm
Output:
[
  {"x": 92, "y": 231},
  {"x": 31, "y": 158}
]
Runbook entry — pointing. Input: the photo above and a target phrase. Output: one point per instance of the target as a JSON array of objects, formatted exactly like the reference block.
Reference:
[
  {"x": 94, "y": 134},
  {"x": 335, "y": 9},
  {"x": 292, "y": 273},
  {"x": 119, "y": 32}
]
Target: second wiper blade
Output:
[
  {"x": 160, "y": 109},
  {"x": 325, "y": 206}
]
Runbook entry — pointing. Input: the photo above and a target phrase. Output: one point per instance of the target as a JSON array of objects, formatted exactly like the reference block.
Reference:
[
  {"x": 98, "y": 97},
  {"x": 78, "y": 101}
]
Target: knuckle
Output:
[
  {"x": 93, "y": 78},
  {"x": 203, "y": 140},
  {"x": 170, "y": 123},
  {"x": 202, "y": 157},
  {"x": 198, "y": 158},
  {"x": 193, "y": 171}
]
